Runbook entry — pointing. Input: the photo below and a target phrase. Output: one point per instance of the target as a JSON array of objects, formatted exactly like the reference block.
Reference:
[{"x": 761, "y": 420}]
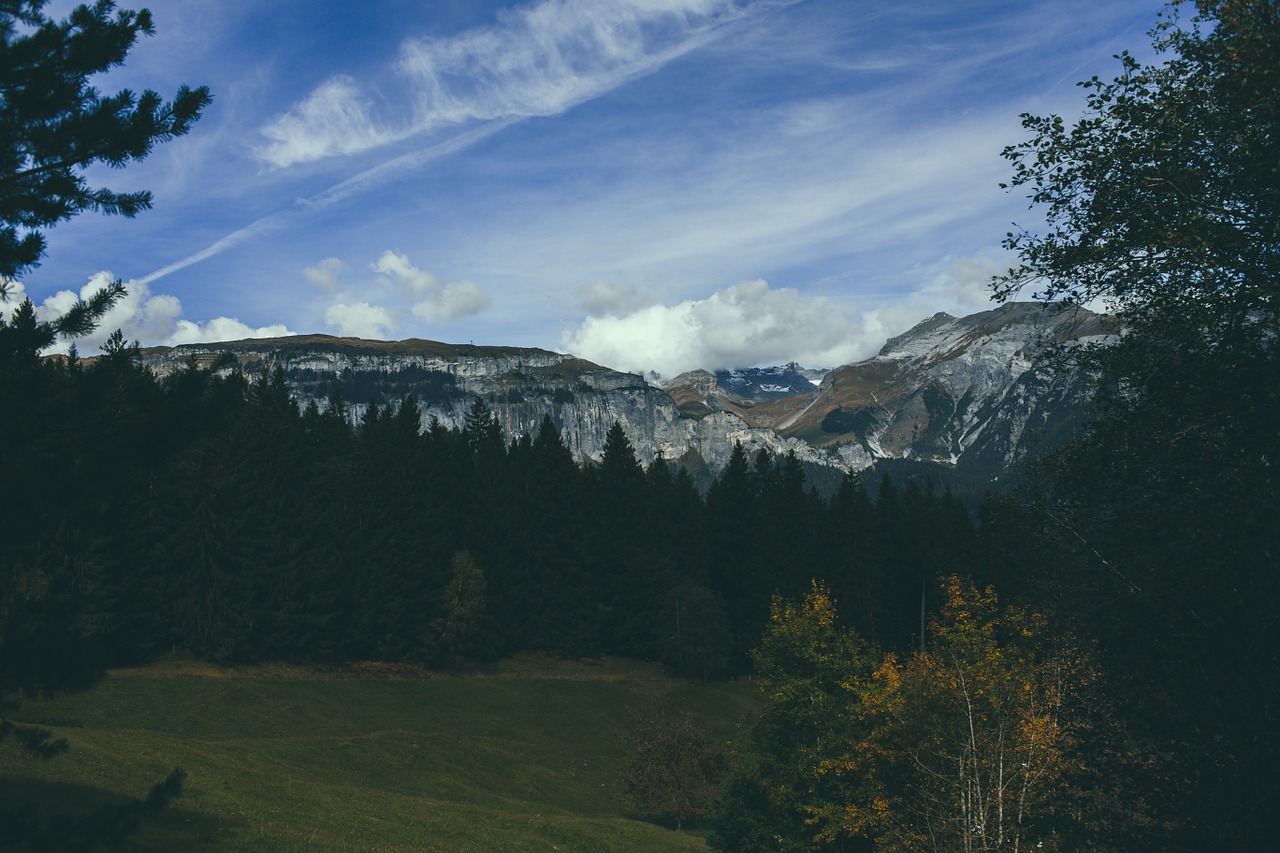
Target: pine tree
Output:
[
  {"x": 855, "y": 568},
  {"x": 56, "y": 123},
  {"x": 53, "y": 125}
]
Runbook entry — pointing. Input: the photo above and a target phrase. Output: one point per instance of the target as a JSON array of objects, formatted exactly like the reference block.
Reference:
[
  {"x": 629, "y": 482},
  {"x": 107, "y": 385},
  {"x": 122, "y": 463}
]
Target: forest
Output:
[
  {"x": 1090, "y": 663},
  {"x": 216, "y": 518}
]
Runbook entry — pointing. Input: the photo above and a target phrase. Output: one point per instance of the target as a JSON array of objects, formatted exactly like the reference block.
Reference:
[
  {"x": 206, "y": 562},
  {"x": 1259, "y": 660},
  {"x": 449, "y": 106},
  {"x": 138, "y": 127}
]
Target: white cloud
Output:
[
  {"x": 458, "y": 299},
  {"x": 361, "y": 320},
  {"x": 396, "y": 266},
  {"x": 746, "y": 324},
  {"x": 537, "y": 60},
  {"x": 140, "y": 315},
  {"x": 545, "y": 58},
  {"x": 223, "y": 329},
  {"x": 431, "y": 301},
  {"x": 146, "y": 317},
  {"x": 334, "y": 119},
  {"x": 752, "y": 324},
  {"x": 324, "y": 275}
]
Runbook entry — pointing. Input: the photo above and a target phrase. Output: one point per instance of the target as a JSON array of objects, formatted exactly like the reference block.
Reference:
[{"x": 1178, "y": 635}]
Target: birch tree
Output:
[{"x": 976, "y": 741}]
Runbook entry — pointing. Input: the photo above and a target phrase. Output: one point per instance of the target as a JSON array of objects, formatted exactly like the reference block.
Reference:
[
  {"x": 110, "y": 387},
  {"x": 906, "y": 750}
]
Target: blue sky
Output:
[{"x": 650, "y": 184}]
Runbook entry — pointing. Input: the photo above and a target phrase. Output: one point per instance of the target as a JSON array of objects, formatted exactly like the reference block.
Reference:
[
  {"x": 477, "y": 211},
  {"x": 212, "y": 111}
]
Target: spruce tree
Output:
[{"x": 54, "y": 124}]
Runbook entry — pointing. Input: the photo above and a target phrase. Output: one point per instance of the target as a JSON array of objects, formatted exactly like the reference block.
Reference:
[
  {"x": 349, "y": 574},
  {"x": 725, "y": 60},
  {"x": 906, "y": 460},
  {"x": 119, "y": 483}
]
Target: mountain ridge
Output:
[{"x": 965, "y": 392}]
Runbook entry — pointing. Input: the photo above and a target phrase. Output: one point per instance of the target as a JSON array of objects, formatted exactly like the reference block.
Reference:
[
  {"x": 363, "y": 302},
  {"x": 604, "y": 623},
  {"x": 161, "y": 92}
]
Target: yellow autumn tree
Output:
[
  {"x": 777, "y": 800},
  {"x": 975, "y": 743},
  {"x": 993, "y": 737}
]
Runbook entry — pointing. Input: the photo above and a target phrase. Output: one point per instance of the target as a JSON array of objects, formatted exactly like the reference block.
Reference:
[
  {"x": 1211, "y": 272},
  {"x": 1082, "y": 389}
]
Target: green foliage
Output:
[
  {"x": 207, "y": 508},
  {"x": 693, "y": 636},
  {"x": 55, "y": 123},
  {"x": 976, "y": 742},
  {"x": 465, "y": 631},
  {"x": 1158, "y": 525},
  {"x": 63, "y": 472},
  {"x": 775, "y": 800},
  {"x": 619, "y": 458},
  {"x": 23, "y": 337},
  {"x": 481, "y": 430},
  {"x": 1163, "y": 198}
]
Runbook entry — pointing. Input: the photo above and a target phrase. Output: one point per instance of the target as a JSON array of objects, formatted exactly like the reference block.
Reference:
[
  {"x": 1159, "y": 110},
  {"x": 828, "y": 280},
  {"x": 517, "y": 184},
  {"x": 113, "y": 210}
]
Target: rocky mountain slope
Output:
[
  {"x": 761, "y": 396},
  {"x": 960, "y": 391},
  {"x": 955, "y": 390}
]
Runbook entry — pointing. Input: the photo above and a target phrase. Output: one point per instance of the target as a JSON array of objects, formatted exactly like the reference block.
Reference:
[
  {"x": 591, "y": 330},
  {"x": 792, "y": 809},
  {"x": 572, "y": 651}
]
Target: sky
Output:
[{"x": 653, "y": 185}]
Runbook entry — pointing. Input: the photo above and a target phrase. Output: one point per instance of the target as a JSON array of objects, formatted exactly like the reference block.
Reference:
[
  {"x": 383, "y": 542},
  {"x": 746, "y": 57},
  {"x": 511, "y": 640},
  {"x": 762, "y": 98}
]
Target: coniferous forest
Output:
[
  {"x": 215, "y": 518},
  {"x": 1091, "y": 662}
]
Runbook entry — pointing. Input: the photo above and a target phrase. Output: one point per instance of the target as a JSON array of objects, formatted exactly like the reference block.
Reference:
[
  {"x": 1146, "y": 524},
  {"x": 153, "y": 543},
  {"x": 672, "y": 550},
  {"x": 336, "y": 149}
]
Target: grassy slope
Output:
[{"x": 524, "y": 756}]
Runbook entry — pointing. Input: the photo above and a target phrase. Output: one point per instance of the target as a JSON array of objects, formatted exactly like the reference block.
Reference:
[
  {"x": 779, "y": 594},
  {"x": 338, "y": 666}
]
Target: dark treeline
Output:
[{"x": 206, "y": 514}]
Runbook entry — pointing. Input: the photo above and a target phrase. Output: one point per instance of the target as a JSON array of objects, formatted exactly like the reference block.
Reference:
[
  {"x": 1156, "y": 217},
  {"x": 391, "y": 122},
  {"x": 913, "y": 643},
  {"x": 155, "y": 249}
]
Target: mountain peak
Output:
[
  {"x": 919, "y": 330},
  {"x": 1016, "y": 324}
]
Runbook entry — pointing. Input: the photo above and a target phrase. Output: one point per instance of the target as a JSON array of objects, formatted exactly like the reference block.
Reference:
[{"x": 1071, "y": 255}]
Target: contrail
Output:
[
  {"x": 592, "y": 87},
  {"x": 253, "y": 229},
  {"x": 383, "y": 173}
]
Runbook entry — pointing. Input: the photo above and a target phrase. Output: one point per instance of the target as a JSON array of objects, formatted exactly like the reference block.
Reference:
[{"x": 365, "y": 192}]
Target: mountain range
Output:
[{"x": 970, "y": 395}]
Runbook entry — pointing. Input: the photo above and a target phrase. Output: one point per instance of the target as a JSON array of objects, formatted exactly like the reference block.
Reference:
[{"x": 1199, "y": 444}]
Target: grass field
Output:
[{"x": 523, "y": 755}]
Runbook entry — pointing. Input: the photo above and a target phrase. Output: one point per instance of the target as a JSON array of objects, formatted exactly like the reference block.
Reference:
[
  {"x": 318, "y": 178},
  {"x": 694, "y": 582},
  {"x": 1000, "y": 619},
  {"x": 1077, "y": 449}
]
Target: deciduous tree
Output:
[
  {"x": 975, "y": 743},
  {"x": 1163, "y": 202},
  {"x": 673, "y": 768},
  {"x": 776, "y": 800}
]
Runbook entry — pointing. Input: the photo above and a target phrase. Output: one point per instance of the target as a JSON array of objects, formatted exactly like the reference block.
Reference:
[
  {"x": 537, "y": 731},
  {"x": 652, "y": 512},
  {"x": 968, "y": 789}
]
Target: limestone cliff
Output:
[{"x": 965, "y": 391}]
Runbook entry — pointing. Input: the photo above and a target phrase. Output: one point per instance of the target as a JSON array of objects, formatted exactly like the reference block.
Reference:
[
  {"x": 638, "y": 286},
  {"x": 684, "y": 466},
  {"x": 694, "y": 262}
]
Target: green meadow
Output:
[{"x": 523, "y": 755}]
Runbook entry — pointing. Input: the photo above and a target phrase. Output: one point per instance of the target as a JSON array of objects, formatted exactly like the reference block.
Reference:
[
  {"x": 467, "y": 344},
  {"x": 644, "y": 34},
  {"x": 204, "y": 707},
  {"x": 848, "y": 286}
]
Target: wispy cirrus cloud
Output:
[
  {"x": 809, "y": 182},
  {"x": 333, "y": 119},
  {"x": 361, "y": 182},
  {"x": 576, "y": 158},
  {"x": 535, "y": 61},
  {"x": 539, "y": 60}
]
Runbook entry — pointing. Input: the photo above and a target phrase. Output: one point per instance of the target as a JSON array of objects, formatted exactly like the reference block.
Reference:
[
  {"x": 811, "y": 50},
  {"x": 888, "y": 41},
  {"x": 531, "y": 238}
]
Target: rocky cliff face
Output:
[
  {"x": 960, "y": 391},
  {"x": 519, "y": 385}
]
